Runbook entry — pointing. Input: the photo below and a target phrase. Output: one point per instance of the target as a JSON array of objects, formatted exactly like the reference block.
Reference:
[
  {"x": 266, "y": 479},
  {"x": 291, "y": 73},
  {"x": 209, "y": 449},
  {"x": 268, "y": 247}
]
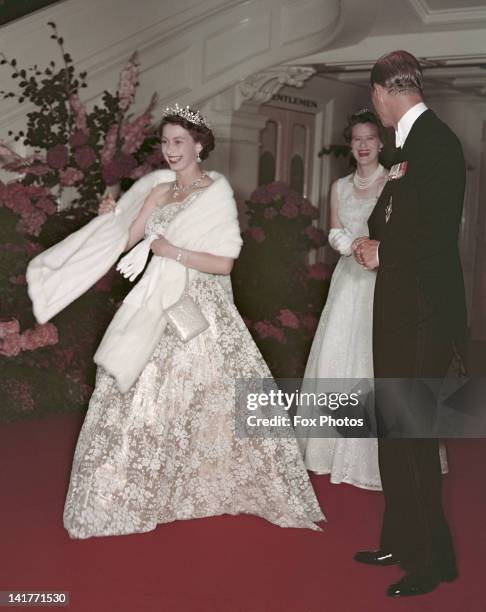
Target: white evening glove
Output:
[
  {"x": 341, "y": 240},
  {"x": 134, "y": 262}
]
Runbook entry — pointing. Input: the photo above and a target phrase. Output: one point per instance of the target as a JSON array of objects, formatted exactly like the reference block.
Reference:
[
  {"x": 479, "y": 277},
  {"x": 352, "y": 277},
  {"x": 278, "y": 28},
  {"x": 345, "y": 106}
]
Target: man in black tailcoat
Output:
[{"x": 419, "y": 318}]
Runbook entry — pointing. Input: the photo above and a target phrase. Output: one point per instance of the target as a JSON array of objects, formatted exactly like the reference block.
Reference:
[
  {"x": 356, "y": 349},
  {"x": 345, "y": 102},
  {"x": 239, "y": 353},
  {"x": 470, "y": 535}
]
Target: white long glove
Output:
[
  {"x": 134, "y": 262},
  {"x": 341, "y": 240}
]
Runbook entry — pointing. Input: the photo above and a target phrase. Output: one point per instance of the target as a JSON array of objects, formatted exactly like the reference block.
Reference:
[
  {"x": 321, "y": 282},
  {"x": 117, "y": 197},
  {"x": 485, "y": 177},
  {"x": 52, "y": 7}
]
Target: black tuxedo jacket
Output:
[{"x": 419, "y": 302}]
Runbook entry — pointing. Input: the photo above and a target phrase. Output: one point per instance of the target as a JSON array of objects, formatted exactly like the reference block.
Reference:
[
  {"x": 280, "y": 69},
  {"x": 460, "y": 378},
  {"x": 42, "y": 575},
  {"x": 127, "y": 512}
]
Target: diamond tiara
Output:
[{"x": 186, "y": 113}]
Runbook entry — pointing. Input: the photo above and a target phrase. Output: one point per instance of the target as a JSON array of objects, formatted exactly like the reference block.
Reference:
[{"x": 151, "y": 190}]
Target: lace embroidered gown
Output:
[
  {"x": 167, "y": 449},
  {"x": 342, "y": 348}
]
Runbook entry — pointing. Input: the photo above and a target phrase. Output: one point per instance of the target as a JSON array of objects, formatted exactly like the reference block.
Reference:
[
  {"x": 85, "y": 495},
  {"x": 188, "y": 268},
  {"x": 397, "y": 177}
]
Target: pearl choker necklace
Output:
[
  {"x": 177, "y": 189},
  {"x": 364, "y": 182}
]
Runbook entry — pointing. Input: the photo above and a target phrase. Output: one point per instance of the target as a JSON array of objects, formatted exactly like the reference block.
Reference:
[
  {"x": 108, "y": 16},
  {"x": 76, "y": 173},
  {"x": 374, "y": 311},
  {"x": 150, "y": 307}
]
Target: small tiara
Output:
[
  {"x": 186, "y": 113},
  {"x": 362, "y": 111}
]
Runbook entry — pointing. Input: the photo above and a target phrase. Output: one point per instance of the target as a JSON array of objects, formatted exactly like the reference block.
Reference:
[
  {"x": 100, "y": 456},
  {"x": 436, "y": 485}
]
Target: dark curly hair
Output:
[
  {"x": 200, "y": 133},
  {"x": 363, "y": 116}
]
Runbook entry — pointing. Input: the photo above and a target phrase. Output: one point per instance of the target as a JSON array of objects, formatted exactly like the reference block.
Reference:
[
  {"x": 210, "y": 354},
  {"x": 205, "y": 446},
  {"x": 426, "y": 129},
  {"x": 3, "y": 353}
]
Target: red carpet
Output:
[{"x": 221, "y": 564}]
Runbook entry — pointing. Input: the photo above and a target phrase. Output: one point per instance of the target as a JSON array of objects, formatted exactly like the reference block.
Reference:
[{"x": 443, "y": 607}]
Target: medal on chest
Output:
[{"x": 397, "y": 171}]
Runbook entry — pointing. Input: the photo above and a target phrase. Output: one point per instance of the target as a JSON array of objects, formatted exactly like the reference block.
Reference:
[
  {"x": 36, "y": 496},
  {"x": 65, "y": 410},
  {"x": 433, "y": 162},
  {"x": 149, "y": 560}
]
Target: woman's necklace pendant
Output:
[{"x": 178, "y": 189}]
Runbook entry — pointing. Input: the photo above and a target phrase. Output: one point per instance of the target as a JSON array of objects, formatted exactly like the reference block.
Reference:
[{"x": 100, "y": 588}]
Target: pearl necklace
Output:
[
  {"x": 364, "y": 182},
  {"x": 177, "y": 189}
]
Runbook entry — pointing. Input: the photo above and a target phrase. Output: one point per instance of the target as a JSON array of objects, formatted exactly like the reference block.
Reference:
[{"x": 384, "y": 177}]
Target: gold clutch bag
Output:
[{"x": 185, "y": 316}]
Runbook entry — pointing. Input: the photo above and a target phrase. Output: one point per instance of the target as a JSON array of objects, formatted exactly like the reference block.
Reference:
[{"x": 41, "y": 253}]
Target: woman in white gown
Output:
[
  {"x": 167, "y": 449},
  {"x": 342, "y": 346}
]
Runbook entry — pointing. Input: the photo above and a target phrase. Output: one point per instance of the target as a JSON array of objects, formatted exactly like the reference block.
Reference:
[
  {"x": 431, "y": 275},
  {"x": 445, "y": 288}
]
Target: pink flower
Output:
[
  {"x": 269, "y": 213},
  {"x": 40, "y": 336},
  {"x": 8, "y": 327},
  {"x": 109, "y": 147},
  {"x": 10, "y": 345},
  {"x": 120, "y": 166},
  {"x": 47, "y": 206},
  {"x": 257, "y": 234},
  {"x": 57, "y": 156},
  {"x": 319, "y": 271},
  {"x": 133, "y": 133},
  {"x": 289, "y": 210},
  {"x": 79, "y": 113},
  {"x": 316, "y": 235},
  {"x": 36, "y": 169},
  {"x": 268, "y": 193},
  {"x": 78, "y": 138},
  {"x": 247, "y": 322},
  {"x": 276, "y": 333},
  {"x": 278, "y": 188},
  {"x": 288, "y": 319},
  {"x": 70, "y": 176},
  {"x": 31, "y": 223},
  {"x": 128, "y": 82},
  {"x": 84, "y": 156},
  {"x": 265, "y": 329}
]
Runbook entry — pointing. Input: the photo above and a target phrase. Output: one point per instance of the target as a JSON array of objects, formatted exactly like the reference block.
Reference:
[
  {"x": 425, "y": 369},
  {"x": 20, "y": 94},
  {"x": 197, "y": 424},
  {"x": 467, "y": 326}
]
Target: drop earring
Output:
[{"x": 198, "y": 159}]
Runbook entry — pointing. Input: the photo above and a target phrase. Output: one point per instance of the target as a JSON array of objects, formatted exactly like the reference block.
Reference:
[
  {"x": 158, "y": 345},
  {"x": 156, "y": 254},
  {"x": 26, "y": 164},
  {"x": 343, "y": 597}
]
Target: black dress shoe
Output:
[
  {"x": 412, "y": 584},
  {"x": 448, "y": 575},
  {"x": 376, "y": 557}
]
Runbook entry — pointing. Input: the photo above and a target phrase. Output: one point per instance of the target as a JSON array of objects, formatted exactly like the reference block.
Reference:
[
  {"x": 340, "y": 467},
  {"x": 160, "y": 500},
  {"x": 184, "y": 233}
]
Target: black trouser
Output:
[{"x": 414, "y": 526}]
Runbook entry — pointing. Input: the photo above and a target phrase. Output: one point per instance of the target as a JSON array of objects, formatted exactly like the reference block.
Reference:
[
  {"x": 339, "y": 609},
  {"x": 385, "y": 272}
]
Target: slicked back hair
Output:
[{"x": 398, "y": 72}]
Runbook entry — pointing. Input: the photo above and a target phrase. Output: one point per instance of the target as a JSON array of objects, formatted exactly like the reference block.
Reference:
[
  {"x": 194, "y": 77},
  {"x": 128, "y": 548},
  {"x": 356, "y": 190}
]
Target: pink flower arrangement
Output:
[{"x": 288, "y": 319}]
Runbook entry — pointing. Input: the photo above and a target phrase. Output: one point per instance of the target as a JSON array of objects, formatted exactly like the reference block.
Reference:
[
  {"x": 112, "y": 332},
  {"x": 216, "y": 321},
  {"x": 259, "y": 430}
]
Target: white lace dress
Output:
[
  {"x": 342, "y": 349},
  {"x": 167, "y": 449}
]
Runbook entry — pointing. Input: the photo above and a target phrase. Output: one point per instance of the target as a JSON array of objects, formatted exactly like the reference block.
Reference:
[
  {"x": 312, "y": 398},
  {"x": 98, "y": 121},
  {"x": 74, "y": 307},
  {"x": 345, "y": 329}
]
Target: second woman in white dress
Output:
[{"x": 342, "y": 347}]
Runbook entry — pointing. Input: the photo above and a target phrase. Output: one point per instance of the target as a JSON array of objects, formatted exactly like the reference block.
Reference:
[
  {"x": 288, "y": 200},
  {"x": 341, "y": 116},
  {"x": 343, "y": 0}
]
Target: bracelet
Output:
[{"x": 179, "y": 256}]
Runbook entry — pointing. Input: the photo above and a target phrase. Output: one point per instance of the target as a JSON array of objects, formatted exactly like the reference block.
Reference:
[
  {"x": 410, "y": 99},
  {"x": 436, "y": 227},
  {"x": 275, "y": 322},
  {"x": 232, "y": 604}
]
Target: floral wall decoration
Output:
[
  {"x": 278, "y": 292},
  {"x": 75, "y": 154}
]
